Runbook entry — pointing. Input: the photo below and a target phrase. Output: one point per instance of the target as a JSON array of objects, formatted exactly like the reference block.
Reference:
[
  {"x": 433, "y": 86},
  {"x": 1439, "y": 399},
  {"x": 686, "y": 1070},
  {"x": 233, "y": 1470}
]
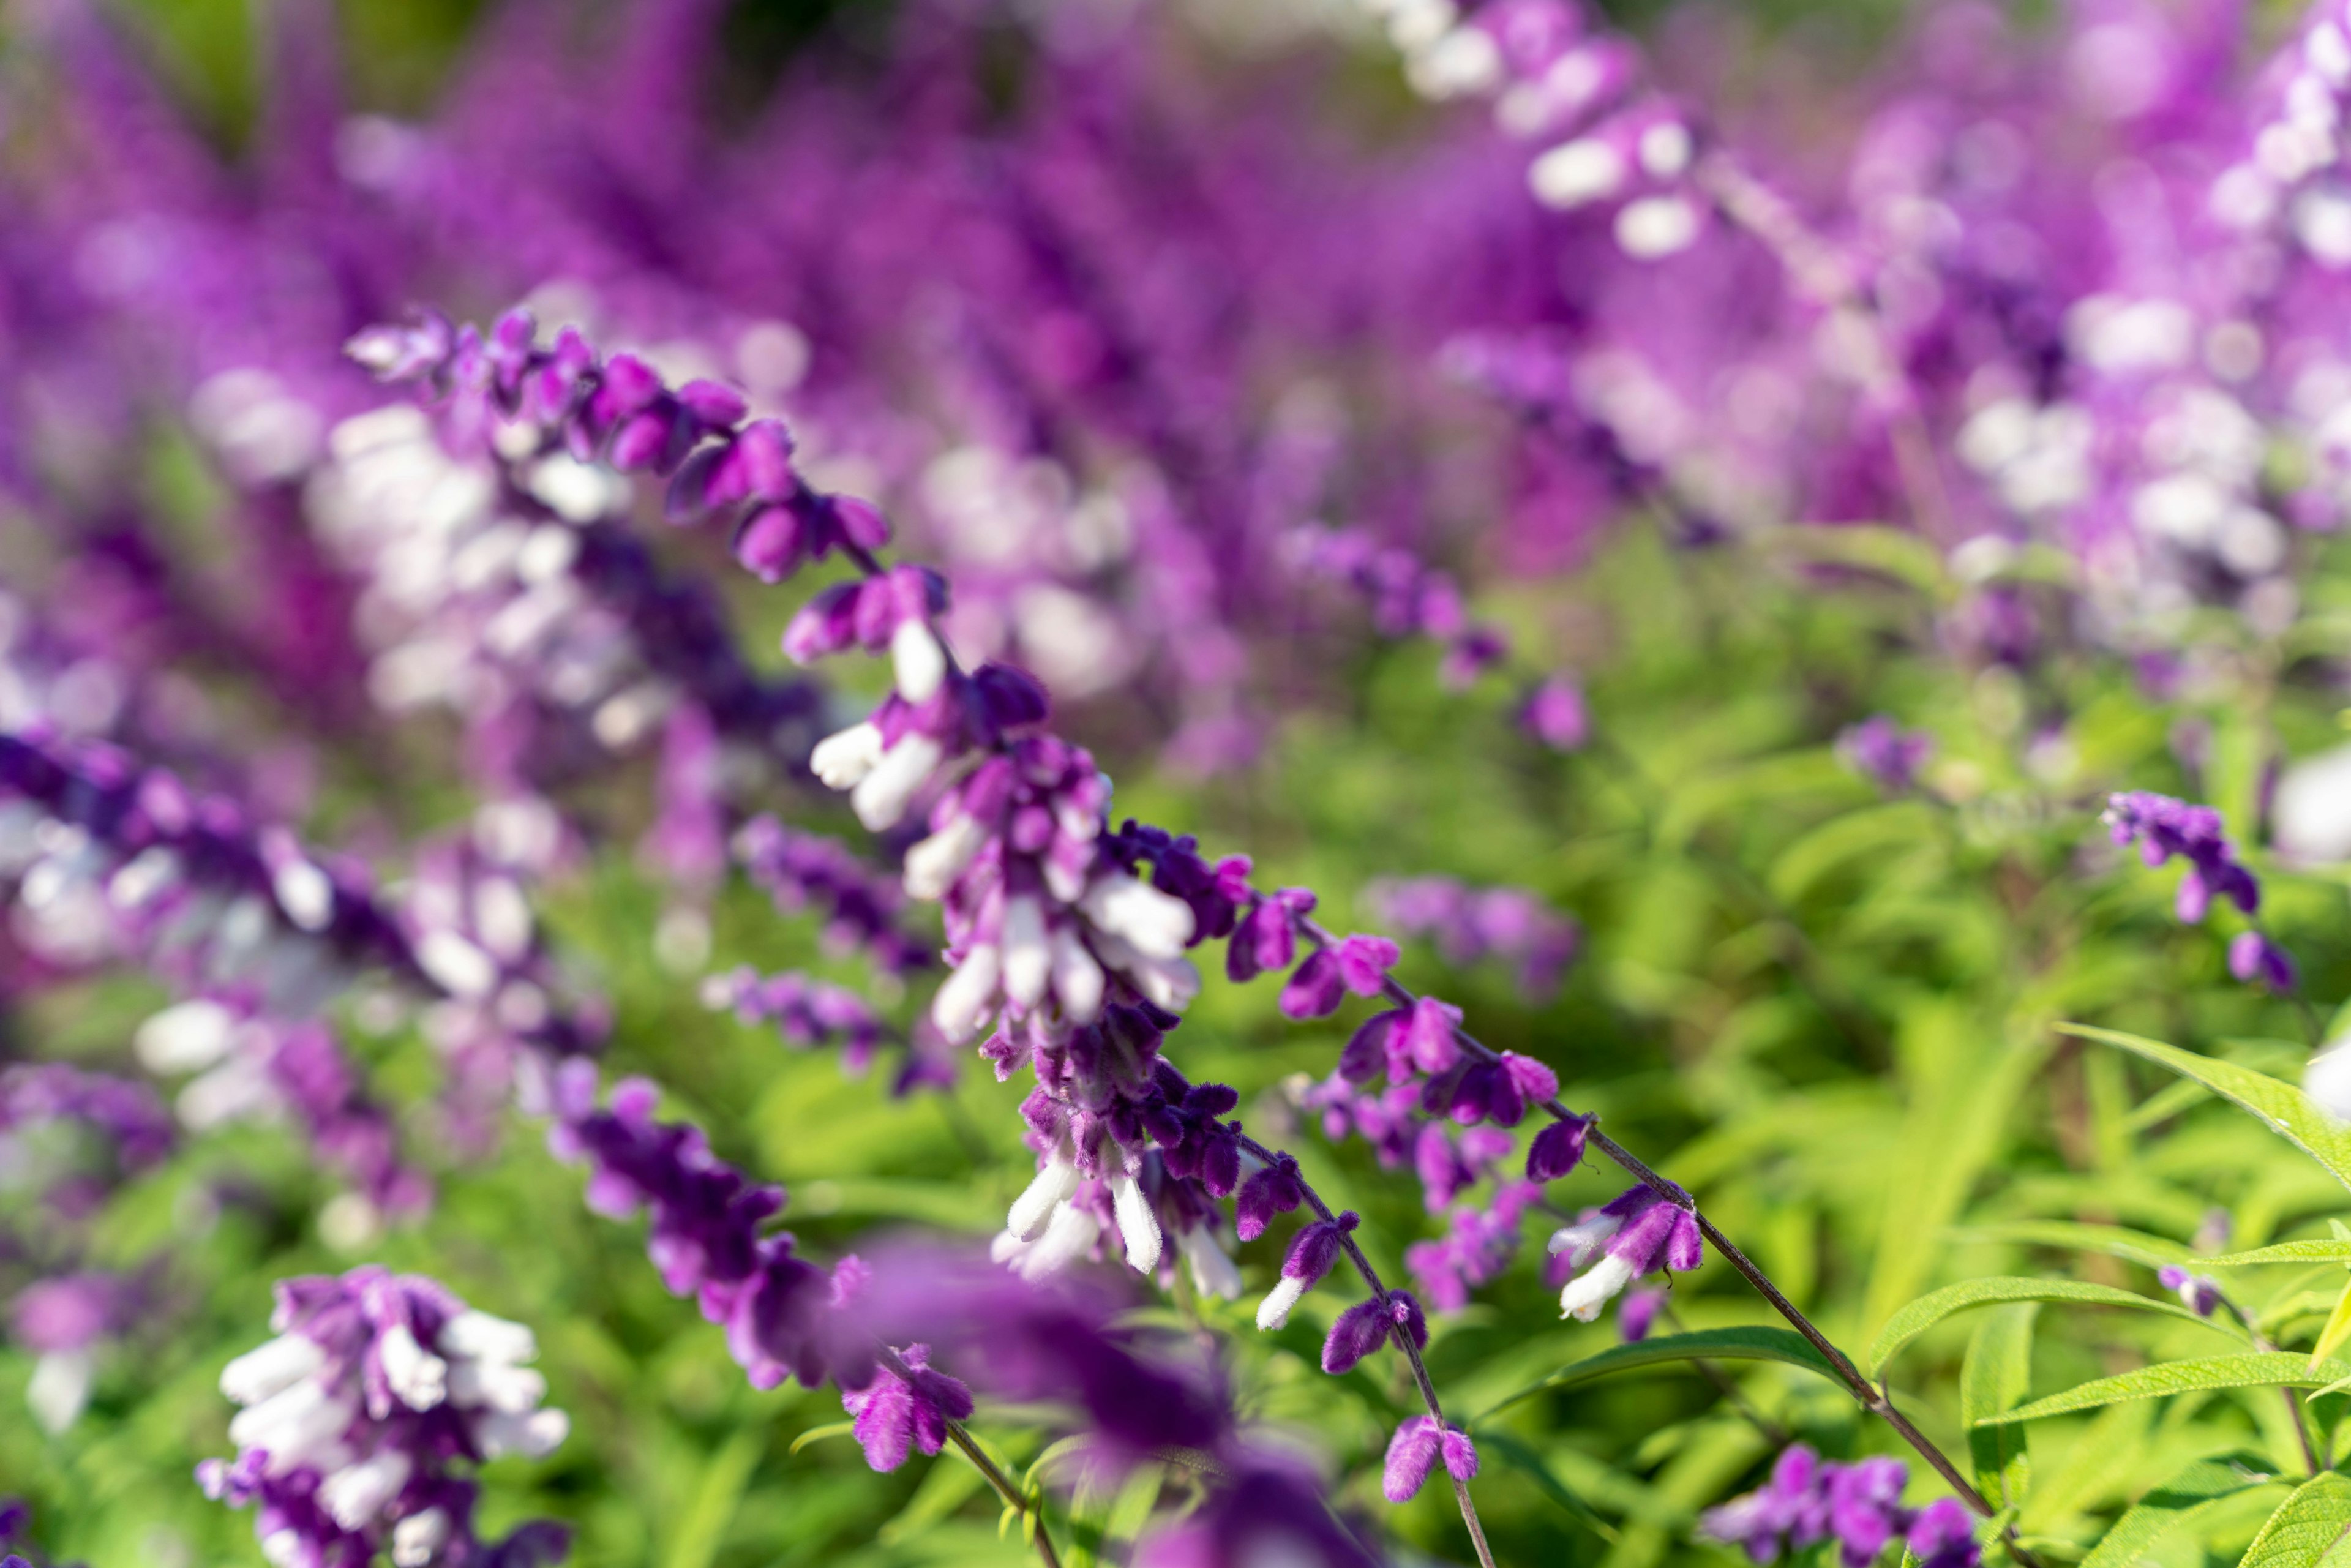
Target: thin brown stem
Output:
[
  {"x": 1403, "y": 1342},
  {"x": 1005, "y": 1488}
]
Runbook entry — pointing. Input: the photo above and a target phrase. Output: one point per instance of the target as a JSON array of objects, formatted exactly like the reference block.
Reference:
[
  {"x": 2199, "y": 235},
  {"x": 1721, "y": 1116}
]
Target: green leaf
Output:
[
  {"x": 2306, "y": 1526},
  {"x": 2337, "y": 1329},
  {"x": 696, "y": 1542},
  {"x": 1530, "y": 1464},
  {"x": 1996, "y": 1377},
  {"x": 1757, "y": 1344},
  {"x": 2265, "y": 1369},
  {"x": 2282, "y": 1107},
  {"x": 2327, "y": 1250},
  {"x": 819, "y": 1434},
  {"x": 1927, "y": 1311},
  {"x": 2170, "y": 1508},
  {"x": 1896, "y": 553}
]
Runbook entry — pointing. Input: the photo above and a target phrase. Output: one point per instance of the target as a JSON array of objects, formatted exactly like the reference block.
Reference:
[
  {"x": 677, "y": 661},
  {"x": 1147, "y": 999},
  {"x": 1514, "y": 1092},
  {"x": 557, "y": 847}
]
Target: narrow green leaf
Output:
[
  {"x": 2267, "y": 1369},
  {"x": 2282, "y": 1107},
  {"x": 1523, "y": 1459},
  {"x": 1924, "y": 1313},
  {"x": 1756, "y": 1344},
  {"x": 2305, "y": 1527},
  {"x": 819, "y": 1434},
  {"x": 2171, "y": 1507},
  {"x": 2337, "y": 1329},
  {"x": 1996, "y": 1377},
  {"x": 696, "y": 1542},
  {"x": 2327, "y": 1250}
]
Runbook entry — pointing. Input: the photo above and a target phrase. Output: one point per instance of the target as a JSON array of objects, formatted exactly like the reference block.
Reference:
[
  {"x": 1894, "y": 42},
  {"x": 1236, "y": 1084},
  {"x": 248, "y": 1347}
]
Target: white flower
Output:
[
  {"x": 1027, "y": 950},
  {"x": 419, "y": 1379},
  {"x": 880, "y": 799},
  {"x": 2328, "y": 1079},
  {"x": 1575, "y": 173},
  {"x": 1138, "y": 1227},
  {"x": 456, "y": 964},
  {"x": 935, "y": 863},
  {"x": 966, "y": 998},
  {"x": 1151, "y": 922},
  {"x": 296, "y": 1425},
  {"x": 1589, "y": 1292},
  {"x": 1274, "y": 1311},
  {"x": 59, "y": 1390},
  {"x": 1053, "y": 1184},
  {"x": 497, "y": 1384},
  {"x": 1077, "y": 978},
  {"x": 1069, "y": 1238},
  {"x": 418, "y": 1538},
  {"x": 842, "y": 761},
  {"x": 1580, "y": 1241},
  {"x": 488, "y": 1338},
  {"x": 1214, "y": 1272},
  {"x": 533, "y": 1436},
  {"x": 272, "y": 1368},
  {"x": 185, "y": 1038},
  {"x": 917, "y": 661},
  {"x": 358, "y": 1494}
]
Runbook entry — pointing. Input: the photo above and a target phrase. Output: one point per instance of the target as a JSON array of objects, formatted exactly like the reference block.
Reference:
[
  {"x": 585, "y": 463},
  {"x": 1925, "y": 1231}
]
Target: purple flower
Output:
[
  {"x": 1558, "y": 1149},
  {"x": 1881, "y": 750},
  {"x": 354, "y": 1415},
  {"x": 1637, "y": 1315},
  {"x": 1637, "y": 1233},
  {"x": 1367, "y": 1325},
  {"x": 2201, "y": 1293},
  {"x": 1274, "y": 1189},
  {"x": 1419, "y": 1443},
  {"x": 2253, "y": 957},
  {"x": 1312, "y": 1254},
  {"x": 1553, "y": 714},
  {"x": 2163, "y": 826},
  {"x": 1943, "y": 1536},
  {"x": 896, "y": 1414}
]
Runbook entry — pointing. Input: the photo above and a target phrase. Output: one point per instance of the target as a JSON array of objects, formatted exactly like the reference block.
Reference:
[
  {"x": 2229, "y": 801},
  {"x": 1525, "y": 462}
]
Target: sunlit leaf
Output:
[
  {"x": 2171, "y": 1507},
  {"x": 2267, "y": 1369},
  {"x": 2284, "y": 1109},
  {"x": 2308, "y": 1528},
  {"x": 1757, "y": 1344},
  {"x": 1924, "y": 1313},
  {"x": 1996, "y": 1375}
]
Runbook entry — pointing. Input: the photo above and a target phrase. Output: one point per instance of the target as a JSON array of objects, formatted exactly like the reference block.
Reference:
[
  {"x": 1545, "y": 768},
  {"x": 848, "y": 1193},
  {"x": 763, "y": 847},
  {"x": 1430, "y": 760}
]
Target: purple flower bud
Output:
[
  {"x": 1428, "y": 1036},
  {"x": 2253, "y": 957},
  {"x": 1558, "y": 1149},
  {"x": 1274, "y": 1190},
  {"x": 1316, "y": 1248},
  {"x": 1315, "y": 988},
  {"x": 716, "y": 405},
  {"x": 1553, "y": 715},
  {"x": 825, "y": 624},
  {"x": 1363, "y": 963},
  {"x": 860, "y": 522},
  {"x": 1460, "y": 1454},
  {"x": 1943, "y": 1536},
  {"x": 896, "y": 1416},
  {"x": 1412, "y": 1453},
  {"x": 770, "y": 544},
  {"x": 2199, "y": 1292},
  {"x": 1372, "y": 1048},
  {"x": 1639, "y": 1310},
  {"x": 1366, "y": 1326}
]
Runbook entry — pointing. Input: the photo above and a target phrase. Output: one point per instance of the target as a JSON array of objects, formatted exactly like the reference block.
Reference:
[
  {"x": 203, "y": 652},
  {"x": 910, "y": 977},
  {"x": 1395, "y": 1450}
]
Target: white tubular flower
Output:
[
  {"x": 967, "y": 997},
  {"x": 1214, "y": 1272},
  {"x": 534, "y": 1436},
  {"x": 272, "y": 1368},
  {"x": 1577, "y": 172},
  {"x": 1138, "y": 1227},
  {"x": 882, "y": 797},
  {"x": 1077, "y": 978},
  {"x": 1274, "y": 1311},
  {"x": 1594, "y": 1289},
  {"x": 418, "y": 1539},
  {"x": 1028, "y": 951},
  {"x": 1069, "y": 1238},
  {"x": 1151, "y": 922},
  {"x": 2327, "y": 1081},
  {"x": 295, "y": 1427},
  {"x": 841, "y": 761},
  {"x": 356, "y": 1493},
  {"x": 305, "y": 894},
  {"x": 59, "y": 1390},
  {"x": 419, "y": 1379},
  {"x": 454, "y": 963},
  {"x": 1580, "y": 1241},
  {"x": 486, "y": 1338},
  {"x": 497, "y": 1384},
  {"x": 916, "y": 660},
  {"x": 186, "y": 1037},
  {"x": 1169, "y": 983},
  {"x": 935, "y": 863},
  {"x": 1052, "y": 1186}
]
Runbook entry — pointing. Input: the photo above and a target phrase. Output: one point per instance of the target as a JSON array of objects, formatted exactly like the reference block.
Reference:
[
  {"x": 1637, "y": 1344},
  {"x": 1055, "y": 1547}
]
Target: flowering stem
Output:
[
  {"x": 1872, "y": 1397},
  {"x": 1403, "y": 1342},
  {"x": 1005, "y": 1488}
]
